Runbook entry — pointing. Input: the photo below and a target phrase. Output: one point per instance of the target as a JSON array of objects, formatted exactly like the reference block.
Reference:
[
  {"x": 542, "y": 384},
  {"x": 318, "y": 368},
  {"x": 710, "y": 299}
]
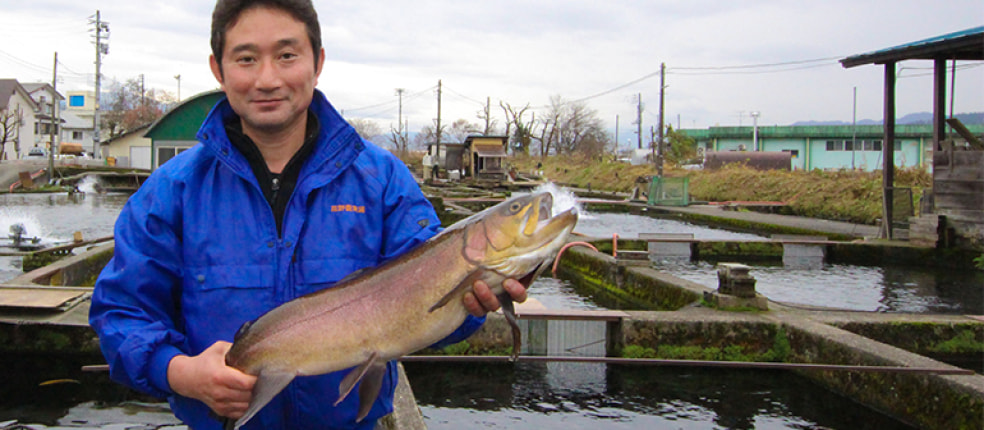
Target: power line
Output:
[
  {"x": 762, "y": 65},
  {"x": 464, "y": 96},
  {"x": 721, "y": 70},
  {"x": 748, "y": 72},
  {"x": 389, "y": 102}
]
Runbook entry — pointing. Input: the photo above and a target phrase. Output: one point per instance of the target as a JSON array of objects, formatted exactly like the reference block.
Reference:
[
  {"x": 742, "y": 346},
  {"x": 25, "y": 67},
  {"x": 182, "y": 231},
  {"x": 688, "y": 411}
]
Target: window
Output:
[
  {"x": 77, "y": 135},
  {"x": 166, "y": 153},
  {"x": 849, "y": 145},
  {"x": 835, "y": 145},
  {"x": 794, "y": 153},
  {"x": 76, "y": 101}
]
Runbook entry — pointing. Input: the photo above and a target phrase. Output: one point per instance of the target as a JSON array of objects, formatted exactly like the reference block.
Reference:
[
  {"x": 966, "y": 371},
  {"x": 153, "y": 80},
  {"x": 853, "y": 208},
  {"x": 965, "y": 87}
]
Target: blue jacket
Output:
[{"x": 197, "y": 255}]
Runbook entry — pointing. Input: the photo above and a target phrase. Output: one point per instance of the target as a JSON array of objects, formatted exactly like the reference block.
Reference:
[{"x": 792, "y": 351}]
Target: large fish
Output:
[{"x": 402, "y": 306}]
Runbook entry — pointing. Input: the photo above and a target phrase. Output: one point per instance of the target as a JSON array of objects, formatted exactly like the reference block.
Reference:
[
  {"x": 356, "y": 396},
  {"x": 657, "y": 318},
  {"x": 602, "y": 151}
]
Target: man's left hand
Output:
[{"x": 481, "y": 300}]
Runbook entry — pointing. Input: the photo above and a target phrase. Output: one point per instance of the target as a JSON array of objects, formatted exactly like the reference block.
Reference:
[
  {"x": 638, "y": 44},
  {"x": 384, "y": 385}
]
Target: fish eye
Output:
[{"x": 515, "y": 207}]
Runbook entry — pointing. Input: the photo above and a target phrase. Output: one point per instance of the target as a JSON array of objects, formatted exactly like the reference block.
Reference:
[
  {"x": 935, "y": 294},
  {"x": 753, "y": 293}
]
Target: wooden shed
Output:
[
  {"x": 954, "y": 213},
  {"x": 485, "y": 156}
]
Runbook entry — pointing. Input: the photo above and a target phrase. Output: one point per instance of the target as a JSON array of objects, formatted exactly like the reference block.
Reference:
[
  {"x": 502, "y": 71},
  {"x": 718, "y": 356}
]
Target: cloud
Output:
[{"x": 526, "y": 52}]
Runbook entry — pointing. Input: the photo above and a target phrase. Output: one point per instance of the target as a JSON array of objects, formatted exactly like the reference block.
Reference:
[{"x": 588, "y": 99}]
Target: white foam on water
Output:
[
  {"x": 563, "y": 199},
  {"x": 87, "y": 184},
  {"x": 32, "y": 227}
]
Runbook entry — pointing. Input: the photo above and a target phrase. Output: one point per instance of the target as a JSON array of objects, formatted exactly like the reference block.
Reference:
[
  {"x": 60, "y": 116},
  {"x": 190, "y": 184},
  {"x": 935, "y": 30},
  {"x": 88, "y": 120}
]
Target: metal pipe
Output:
[
  {"x": 687, "y": 363},
  {"x": 658, "y": 362}
]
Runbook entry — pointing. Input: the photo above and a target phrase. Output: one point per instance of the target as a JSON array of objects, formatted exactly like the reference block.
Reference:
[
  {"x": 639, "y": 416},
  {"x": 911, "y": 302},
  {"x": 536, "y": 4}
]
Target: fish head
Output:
[{"x": 516, "y": 237}]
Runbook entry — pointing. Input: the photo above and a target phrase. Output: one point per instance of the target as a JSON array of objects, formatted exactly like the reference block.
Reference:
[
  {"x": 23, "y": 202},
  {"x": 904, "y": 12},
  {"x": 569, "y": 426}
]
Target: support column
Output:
[{"x": 888, "y": 153}]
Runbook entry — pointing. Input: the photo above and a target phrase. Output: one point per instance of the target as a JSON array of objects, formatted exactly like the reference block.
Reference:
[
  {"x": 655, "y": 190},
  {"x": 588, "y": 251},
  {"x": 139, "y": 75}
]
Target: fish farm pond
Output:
[{"x": 52, "y": 391}]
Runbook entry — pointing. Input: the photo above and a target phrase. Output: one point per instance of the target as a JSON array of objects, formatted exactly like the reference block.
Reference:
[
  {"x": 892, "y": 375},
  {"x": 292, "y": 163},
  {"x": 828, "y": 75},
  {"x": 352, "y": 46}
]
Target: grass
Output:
[{"x": 842, "y": 195}]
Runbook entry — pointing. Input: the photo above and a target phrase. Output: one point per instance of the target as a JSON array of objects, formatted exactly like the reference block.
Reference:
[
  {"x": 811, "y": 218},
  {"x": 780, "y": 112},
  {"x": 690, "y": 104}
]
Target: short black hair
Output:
[{"x": 226, "y": 13}]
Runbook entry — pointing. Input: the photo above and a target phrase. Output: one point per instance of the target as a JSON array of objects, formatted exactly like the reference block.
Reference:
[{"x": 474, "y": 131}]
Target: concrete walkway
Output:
[{"x": 814, "y": 224}]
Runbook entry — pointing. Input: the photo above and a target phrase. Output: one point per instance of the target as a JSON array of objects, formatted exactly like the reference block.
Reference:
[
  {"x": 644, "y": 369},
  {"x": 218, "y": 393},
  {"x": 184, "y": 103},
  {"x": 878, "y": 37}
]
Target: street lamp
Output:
[{"x": 755, "y": 130}]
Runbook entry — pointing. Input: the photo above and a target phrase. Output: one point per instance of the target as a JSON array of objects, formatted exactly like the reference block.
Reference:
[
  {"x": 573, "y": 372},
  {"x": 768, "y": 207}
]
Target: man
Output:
[{"x": 279, "y": 199}]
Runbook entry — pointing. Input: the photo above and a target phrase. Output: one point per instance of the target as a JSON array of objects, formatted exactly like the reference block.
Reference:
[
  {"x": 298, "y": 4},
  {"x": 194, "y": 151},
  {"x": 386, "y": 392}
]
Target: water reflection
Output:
[
  {"x": 566, "y": 396},
  {"x": 862, "y": 288},
  {"x": 629, "y": 226}
]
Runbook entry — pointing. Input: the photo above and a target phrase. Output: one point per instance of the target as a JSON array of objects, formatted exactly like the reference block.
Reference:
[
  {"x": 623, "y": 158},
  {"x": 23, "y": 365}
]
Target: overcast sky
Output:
[{"x": 524, "y": 52}]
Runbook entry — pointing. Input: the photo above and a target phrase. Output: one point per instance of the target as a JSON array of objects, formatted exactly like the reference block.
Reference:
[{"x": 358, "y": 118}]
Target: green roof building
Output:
[{"x": 175, "y": 131}]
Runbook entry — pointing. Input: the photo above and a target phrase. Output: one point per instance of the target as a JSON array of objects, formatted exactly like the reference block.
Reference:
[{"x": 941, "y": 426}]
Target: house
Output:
[
  {"x": 76, "y": 135},
  {"x": 130, "y": 149},
  {"x": 47, "y": 120},
  {"x": 483, "y": 157},
  {"x": 175, "y": 131},
  {"x": 82, "y": 106},
  {"x": 16, "y": 120}
]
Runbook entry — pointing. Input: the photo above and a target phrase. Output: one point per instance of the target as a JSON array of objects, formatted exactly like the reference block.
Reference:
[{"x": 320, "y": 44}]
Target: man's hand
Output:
[
  {"x": 481, "y": 301},
  {"x": 207, "y": 378}
]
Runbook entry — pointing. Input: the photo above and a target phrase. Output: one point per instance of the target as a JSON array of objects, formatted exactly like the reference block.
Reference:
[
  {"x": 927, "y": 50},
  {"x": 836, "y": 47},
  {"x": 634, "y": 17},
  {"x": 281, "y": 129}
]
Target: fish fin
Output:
[
  {"x": 268, "y": 385},
  {"x": 464, "y": 284},
  {"x": 506, "y": 301},
  {"x": 369, "y": 389},
  {"x": 354, "y": 275},
  {"x": 353, "y": 377}
]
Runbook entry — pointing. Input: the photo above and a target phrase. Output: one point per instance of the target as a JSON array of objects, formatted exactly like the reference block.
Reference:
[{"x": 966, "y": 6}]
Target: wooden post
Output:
[{"x": 888, "y": 152}]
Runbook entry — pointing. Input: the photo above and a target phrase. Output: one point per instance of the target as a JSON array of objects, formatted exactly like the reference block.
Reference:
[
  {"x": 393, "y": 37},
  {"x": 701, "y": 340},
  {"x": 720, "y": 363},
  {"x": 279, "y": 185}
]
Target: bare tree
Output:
[
  {"x": 485, "y": 115},
  {"x": 130, "y": 106},
  {"x": 571, "y": 127},
  {"x": 399, "y": 140},
  {"x": 461, "y": 129},
  {"x": 10, "y": 122},
  {"x": 366, "y": 128},
  {"x": 523, "y": 136}
]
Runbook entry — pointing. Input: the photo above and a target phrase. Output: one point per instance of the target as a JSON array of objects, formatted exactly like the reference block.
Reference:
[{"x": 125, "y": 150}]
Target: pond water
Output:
[
  {"x": 567, "y": 396},
  {"x": 51, "y": 392},
  {"x": 537, "y": 396},
  {"x": 54, "y": 218},
  {"x": 860, "y": 288}
]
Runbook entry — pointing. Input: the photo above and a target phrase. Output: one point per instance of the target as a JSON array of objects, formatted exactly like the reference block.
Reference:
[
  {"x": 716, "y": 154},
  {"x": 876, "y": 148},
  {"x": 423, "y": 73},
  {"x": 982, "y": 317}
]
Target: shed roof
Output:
[
  {"x": 183, "y": 121},
  {"x": 961, "y": 45}
]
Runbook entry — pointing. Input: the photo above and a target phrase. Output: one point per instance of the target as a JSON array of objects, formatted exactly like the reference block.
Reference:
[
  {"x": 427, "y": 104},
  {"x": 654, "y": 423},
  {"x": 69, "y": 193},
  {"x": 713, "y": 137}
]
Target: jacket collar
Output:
[{"x": 337, "y": 142}]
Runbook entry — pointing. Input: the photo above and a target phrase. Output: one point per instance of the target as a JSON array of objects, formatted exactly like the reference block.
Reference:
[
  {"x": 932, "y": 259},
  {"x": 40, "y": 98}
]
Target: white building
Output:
[
  {"x": 46, "y": 117},
  {"x": 17, "y": 111},
  {"x": 82, "y": 105}
]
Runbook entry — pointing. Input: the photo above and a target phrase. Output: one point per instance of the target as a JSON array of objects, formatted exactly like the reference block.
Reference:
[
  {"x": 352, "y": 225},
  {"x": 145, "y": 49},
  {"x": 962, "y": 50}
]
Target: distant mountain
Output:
[{"x": 910, "y": 119}]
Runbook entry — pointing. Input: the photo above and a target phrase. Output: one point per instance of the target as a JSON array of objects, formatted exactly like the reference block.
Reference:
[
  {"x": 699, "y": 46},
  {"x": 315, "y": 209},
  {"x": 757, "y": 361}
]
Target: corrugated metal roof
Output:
[{"x": 961, "y": 45}]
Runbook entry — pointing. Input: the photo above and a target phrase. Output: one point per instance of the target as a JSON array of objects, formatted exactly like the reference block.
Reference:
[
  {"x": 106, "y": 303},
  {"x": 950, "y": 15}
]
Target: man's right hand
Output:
[{"x": 206, "y": 377}]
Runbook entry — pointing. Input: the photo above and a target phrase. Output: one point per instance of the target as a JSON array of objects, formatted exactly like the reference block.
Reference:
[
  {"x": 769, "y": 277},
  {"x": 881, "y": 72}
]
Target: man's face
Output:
[{"x": 268, "y": 70}]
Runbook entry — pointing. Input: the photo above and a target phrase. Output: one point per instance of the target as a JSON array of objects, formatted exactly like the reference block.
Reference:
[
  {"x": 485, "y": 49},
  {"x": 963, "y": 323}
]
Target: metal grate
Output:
[{"x": 669, "y": 191}]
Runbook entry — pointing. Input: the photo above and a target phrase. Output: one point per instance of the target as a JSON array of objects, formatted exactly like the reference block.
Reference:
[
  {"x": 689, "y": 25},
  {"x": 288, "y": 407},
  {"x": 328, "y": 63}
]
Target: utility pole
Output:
[
  {"x": 659, "y": 133},
  {"x": 639, "y": 120},
  {"x": 437, "y": 130},
  {"x": 399, "y": 122},
  {"x": 143, "y": 100},
  {"x": 854, "y": 127},
  {"x": 755, "y": 130},
  {"x": 54, "y": 120},
  {"x": 616, "y": 137},
  {"x": 101, "y": 49},
  {"x": 488, "y": 116}
]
